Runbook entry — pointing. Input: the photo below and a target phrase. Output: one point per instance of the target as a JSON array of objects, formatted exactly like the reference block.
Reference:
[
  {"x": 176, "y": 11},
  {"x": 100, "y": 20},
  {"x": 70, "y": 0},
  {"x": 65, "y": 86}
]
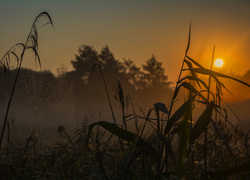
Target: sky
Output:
[{"x": 133, "y": 29}]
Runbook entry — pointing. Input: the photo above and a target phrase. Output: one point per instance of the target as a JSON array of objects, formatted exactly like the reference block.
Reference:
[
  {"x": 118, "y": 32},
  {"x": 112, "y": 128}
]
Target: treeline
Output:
[
  {"x": 147, "y": 82},
  {"x": 151, "y": 75},
  {"x": 91, "y": 69}
]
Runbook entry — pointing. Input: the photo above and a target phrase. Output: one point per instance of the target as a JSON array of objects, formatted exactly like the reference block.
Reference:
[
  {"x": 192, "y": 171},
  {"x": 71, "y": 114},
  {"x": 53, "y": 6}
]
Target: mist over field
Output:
[
  {"x": 48, "y": 100},
  {"x": 45, "y": 100}
]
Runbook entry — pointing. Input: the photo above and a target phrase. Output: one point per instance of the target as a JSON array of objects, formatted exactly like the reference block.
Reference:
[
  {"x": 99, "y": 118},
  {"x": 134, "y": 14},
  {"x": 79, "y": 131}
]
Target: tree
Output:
[
  {"x": 108, "y": 61},
  {"x": 154, "y": 75},
  {"x": 87, "y": 57},
  {"x": 84, "y": 62},
  {"x": 111, "y": 67},
  {"x": 133, "y": 74}
]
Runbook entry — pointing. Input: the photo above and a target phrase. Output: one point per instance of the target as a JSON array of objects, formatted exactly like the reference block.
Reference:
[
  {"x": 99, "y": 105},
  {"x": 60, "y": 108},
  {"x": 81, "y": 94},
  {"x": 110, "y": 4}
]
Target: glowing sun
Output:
[{"x": 218, "y": 62}]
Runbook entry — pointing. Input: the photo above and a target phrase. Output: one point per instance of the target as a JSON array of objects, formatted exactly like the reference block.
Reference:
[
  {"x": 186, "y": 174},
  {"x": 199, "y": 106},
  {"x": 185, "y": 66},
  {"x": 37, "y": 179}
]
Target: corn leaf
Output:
[
  {"x": 221, "y": 85},
  {"x": 203, "y": 121},
  {"x": 179, "y": 113},
  {"x": 125, "y": 135},
  {"x": 161, "y": 107},
  {"x": 191, "y": 88},
  {"x": 216, "y": 74},
  {"x": 194, "y": 62},
  {"x": 190, "y": 66},
  {"x": 195, "y": 78}
]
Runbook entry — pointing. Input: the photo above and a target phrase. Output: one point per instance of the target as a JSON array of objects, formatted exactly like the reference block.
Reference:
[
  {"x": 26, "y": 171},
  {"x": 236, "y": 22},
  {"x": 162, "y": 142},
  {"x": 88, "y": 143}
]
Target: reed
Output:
[{"x": 30, "y": 44}]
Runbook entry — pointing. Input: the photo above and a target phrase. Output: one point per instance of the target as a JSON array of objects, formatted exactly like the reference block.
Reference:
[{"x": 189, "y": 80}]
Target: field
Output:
[{"x": 166, "y": 141}]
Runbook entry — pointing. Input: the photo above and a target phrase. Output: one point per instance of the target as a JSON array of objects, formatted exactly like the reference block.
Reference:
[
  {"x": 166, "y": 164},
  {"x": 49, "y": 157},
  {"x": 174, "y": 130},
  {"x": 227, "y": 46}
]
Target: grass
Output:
[{"x": 165, "y": 144}]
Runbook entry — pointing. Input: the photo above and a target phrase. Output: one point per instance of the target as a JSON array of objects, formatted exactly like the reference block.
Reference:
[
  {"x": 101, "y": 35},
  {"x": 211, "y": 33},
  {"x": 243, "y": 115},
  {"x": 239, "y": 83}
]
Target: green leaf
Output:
[
  {"x": 203, "y": 121},
  {"x": 125, "y": 135}
]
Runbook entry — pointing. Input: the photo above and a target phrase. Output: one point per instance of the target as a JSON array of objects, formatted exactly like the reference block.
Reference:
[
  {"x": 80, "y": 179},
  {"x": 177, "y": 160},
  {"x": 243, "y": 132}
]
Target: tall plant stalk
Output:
[
  {"x": 172, "y": 101},
  {"x": 31, "y": 43},
  {"x": 183, "y": 62},
  {"x": 11, "y": 96},
  {"x": 205, "y": 137},
  {"x": 107, "y": 93}
]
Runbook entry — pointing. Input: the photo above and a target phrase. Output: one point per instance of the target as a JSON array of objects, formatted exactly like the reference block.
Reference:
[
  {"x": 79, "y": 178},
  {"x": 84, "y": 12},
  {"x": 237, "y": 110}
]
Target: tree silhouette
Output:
[
  {"x": 109, "y": 63},
  {"x": 87, "y": 57},
  {"x": 151, "y": 76},
  {"x": 83, "y": 63},
  {"x": 154, "y": 75},
  {"x": 147, "y": 82},
  {"x": 133, "y": 74},
  {"x": 111, "y": 67}
]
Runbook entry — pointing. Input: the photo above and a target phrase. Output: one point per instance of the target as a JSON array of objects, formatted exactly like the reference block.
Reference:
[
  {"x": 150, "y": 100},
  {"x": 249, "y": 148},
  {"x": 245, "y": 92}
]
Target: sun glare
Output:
[{"x": 218, "y": 62}]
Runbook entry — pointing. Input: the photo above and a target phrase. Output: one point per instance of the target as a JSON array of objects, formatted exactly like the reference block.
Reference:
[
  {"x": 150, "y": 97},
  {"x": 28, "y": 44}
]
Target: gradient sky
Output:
[{"x": 133, "y": 29}]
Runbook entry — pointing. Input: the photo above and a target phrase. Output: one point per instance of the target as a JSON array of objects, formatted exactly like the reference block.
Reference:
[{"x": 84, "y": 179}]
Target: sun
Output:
[{"x": 218, "y": 62}]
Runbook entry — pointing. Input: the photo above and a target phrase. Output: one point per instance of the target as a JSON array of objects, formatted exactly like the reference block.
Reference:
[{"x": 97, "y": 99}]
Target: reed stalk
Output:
[{"x": 31, "y": 43}]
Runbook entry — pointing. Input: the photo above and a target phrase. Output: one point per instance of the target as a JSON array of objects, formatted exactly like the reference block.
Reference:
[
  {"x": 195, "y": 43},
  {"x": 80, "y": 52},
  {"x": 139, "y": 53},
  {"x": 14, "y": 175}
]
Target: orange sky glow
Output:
[{"x": 135, "y": 30}]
